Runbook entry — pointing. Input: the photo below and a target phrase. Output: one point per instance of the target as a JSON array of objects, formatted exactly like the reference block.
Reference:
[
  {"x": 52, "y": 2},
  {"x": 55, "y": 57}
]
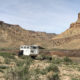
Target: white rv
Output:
[{"x": 29, "y": 50}]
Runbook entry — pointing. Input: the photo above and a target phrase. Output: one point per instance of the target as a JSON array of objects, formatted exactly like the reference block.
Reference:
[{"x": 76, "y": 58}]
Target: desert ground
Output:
[{"x": 42, "y": 67}]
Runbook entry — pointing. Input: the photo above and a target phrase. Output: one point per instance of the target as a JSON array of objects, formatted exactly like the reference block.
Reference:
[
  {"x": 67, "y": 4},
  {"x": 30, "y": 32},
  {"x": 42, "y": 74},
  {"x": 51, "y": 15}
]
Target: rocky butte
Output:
[
  {"x": 69, "y": 39},
  {"x": 77, "y": 23}
]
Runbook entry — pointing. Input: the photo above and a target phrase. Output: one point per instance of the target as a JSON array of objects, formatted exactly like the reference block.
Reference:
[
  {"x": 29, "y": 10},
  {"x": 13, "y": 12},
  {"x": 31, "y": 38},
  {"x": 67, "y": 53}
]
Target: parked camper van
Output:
[{"x": 29, "y": 49}]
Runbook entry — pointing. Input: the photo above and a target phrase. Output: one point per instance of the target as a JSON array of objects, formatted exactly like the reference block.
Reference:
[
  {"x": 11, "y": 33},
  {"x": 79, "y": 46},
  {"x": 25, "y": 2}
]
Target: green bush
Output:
[
  {"x": 39, "y": 57},
  {"x": 1, "y": 71},
  {"x": 67, "y": 60},
  {"x": 38, "y": 71},
  {"x": 26, "y": 60},
  {"x": 3, "y": 67},
  {"x": 23, "y": 57},
  {"x": 56, "y": 60},
  {"x": 7, "y": 61},
  {"x": 18, "y": 73},
  {"x": 43, "y": 57},
  {"x": 75, "y": 79},
  {"x": 55, "y": 76},
  {"x": 19, "y": 63},
  {"x": 48, "y": 57},
  {"x": 21, "y": 71},
  {"x": 43, "y": 72},
  {"x": 7, "y": 55},
  {"x": 53, "y": 68}
]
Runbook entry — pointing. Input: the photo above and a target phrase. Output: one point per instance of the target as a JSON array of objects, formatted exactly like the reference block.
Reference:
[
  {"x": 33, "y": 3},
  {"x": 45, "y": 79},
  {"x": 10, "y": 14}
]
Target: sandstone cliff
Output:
[{"x": 70, "y": 39}]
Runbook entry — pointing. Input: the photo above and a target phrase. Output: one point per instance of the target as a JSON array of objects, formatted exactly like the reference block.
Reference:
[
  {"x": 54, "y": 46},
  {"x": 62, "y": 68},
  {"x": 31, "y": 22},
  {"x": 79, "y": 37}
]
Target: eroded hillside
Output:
[{"x": 14, "y": 36}]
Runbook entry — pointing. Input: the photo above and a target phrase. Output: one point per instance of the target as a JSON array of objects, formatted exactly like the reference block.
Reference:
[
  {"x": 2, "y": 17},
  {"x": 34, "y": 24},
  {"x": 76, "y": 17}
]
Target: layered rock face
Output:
[
  {"x": 77, "y": 23},
  {"x": 70, "y": 39},
  {"x": 12, "y": 36}
]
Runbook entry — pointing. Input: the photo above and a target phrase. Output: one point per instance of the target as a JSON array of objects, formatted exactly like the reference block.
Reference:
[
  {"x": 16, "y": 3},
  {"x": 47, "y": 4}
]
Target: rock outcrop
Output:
[
  {"x": 77, "y": 23},
  {"x": 69, "y": 38}
]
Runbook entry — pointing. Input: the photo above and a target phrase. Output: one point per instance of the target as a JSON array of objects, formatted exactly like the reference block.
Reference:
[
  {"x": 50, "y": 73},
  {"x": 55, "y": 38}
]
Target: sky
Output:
[{"x": 51, "y": 16}]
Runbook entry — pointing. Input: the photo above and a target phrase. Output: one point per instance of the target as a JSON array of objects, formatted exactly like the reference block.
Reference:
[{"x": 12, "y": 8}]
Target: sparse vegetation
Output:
[
  {"x": 7, "y": 55},
  {"x": 7, "y": 61},
  {"x": 41, "y": 68},
  {"x": 53, "y": 68},
  {"x": 21, "y": 71},
  {"x": 3, "y": 67},
  {"x": 66, "y": 59},
  {"x": 43, "y": 57},
  {"x": 56, "y": 60},
  {"x": 55, "y": 76},
  {"x": 1, "y": 71},
  {"x": 75, "y": 79}
]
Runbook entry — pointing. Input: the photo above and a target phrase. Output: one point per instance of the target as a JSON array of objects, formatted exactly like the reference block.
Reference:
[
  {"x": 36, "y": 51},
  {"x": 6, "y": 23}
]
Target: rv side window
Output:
[
  {"x": 27, "y": 47},
  {"x": 21, "y": 47},
  {"x": 24, "y": 47},
  {"x": 34, "y": 47}
]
